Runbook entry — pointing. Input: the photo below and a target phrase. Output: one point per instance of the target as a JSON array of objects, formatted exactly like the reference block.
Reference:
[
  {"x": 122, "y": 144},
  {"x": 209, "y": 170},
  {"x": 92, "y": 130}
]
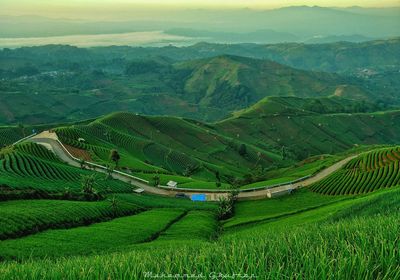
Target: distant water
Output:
[{"x": 153, "y": 38}]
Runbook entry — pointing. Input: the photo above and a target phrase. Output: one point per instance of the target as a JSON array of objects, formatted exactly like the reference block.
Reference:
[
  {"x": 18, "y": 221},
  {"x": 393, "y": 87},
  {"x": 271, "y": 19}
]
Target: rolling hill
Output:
[
  {"x": 310, "y": 127},
  {"x": 274, "y": 133},
  {"x": 90, "y": 85},
  {"x": 236, "y": 82}
]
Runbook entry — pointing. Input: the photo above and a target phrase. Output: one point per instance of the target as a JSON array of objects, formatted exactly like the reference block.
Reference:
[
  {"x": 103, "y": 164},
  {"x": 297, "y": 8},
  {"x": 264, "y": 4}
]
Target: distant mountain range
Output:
[{"x": 290, "y": 24}]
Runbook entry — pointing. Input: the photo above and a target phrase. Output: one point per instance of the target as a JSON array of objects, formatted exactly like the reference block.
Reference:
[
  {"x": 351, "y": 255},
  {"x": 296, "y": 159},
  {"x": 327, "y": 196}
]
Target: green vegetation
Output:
[
  {"x": 94, "y": 238},
  {"x": 205, "y": 81},
  {"x": 248, "y": 212},
  {"x": 29, "y": 166},
  {"x": 273, "y": 124},
  {"x": 368, "y": 172},
  {"x": 196, "y": 225},
  {"x": 328, "y": 242},
  {"x": 281, "y": 122},
  {"x": 154, "y": 201},
  {"x": 23, "y": 217},
  {"x": 299, "y": 170},
  {"x": 150, "y": 147},
  {"x": 255, "y": 147}
]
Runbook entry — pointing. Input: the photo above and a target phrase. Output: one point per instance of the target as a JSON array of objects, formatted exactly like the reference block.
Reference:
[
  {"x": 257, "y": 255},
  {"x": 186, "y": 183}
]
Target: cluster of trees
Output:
[
  {"x": 315, "y": 105},
  {"x": 226, "y": 206},
  {"x": 145, "y": 67}
]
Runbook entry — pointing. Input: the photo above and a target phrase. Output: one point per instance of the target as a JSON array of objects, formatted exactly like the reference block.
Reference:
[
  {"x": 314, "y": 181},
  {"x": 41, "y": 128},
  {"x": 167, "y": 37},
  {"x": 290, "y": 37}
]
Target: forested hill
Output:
[{"x": 62, "y": 83}]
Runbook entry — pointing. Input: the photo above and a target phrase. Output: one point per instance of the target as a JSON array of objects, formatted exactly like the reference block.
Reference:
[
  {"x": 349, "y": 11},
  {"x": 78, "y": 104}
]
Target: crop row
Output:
[
  {"x": 19, "y": 218},
  {"x": 112, "y": 235},
  {"x": 21, "y": 169},
  {"x": 369, "y": 172}
]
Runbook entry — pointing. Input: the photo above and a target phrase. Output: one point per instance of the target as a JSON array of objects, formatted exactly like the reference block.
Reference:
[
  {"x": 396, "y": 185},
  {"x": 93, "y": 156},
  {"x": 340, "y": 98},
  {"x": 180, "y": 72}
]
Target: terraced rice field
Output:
[
  {"x": 31, "y": 166},
  {"x": 196, "y": 225},
  {"x": 24, "y": 217},
  {"x": 9, "y": 135},
  {"x": 98, "y": 237},
  {"x": 249, "y": 212},
  {"x": 369, "y": 172},
  {"x": 151, "y": 145},
  {"x": 313, "y": 243}
]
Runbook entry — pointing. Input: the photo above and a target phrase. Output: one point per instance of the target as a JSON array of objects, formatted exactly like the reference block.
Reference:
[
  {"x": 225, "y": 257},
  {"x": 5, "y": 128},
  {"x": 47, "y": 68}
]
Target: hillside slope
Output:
[
  {"x": 234, "y": 82},
  {"x": 287, "y": 125},
  {"x": 37, "y": 89},
  {"x": 275, "y": 132},
  {"x": 368, "y": 172}
]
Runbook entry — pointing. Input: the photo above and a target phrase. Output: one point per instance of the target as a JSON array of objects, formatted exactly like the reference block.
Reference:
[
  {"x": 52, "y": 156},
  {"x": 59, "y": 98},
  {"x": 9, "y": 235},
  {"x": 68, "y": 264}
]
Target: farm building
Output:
[{"x": 172, "y": 184}]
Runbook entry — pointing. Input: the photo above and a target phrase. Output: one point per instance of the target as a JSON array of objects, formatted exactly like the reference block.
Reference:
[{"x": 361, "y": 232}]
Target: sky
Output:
[
  {"x": 102, "y": 8},
  {"x": 242, "y": 3}
]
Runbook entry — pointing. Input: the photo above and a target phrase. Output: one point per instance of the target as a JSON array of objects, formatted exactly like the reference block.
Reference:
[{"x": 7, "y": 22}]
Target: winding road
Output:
[{"x": 51, "y": 142}]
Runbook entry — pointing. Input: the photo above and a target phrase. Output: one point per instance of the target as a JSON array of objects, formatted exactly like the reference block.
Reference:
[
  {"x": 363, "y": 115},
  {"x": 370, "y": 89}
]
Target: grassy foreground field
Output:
[
  {"x": 330, "y": 242},
  {"x": 23, "y": 217},
  {"x": 247, "y": 212},
  {"x": 98, "y": 237}
]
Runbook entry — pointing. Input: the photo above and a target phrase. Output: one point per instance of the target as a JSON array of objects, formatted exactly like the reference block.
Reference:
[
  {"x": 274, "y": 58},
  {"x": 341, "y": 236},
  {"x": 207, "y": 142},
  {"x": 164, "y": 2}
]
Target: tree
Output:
[
  {"x": 22, "y": 128},
  {"x": 114, "y": 205},
  {"x": 235, "y": 183},
  {"x": 225, "y": 208},
  {"x": 110, "y": 170},
  {"x": 226, "y": 205},
  {"x": 217, "y": 176},
  {"x": 242, "y": 150},
  {"x": 115, "y": 157},
  {"x": 218, "y": 184},
  {"x": 82, "y": 163},
  {"x": 156, "y": 180},
  {"x": 67, "y": 193},
  {"x": 87, "y": 185},
  {"x": 283, "y": 152}
]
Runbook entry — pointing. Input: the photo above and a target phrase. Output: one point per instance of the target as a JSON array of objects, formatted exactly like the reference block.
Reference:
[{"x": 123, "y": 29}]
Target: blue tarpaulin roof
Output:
[{"x": 198, "y": 197}]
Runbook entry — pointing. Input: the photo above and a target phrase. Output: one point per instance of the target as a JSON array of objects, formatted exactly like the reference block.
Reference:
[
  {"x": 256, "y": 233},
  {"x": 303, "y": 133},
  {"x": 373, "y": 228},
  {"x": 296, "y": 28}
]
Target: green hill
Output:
[
  {"x": 234, "y": 82},
  {"x": 276, "y": 132},
  {"x": 167, "y": 146},
  {"x": 39, "y": 89},
  {"x": 366, "y": 173},
  {"x": 285, "y": 124},
  {"x": 33, "y": 169}
]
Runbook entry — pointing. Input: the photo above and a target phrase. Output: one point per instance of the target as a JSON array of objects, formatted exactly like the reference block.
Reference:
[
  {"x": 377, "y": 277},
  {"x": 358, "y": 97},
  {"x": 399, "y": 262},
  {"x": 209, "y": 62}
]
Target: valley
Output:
[
  {"x": 207, "y": 82},
  {"x": 204, "y": 161}
]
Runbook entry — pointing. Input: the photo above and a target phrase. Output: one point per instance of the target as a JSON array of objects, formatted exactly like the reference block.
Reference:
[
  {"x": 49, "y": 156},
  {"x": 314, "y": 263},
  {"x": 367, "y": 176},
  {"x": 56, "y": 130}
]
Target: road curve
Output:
[
  {"x": 58, "y": 150},
  {"x": 51, "y": 142},
  {"x": 260, "y": 194}
]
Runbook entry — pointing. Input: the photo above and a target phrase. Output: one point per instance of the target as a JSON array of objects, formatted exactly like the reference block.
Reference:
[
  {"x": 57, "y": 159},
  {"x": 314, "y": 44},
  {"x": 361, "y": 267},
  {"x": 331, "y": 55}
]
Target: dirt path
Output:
[{"x": 51, "y": 142}]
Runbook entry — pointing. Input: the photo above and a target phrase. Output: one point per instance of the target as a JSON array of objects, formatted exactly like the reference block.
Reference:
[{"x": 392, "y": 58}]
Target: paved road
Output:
[
  {"x": 57, "y": 149},
  {"x": 286, "y": 188},
  {"x": 50, "y": 140}
]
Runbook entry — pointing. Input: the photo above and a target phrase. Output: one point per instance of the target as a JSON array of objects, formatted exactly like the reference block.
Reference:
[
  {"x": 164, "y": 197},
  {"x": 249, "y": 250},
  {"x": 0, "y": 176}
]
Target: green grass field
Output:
[
  {"x": 23, "y": 217},
  {"x": 329, "y": 242},
  {"x": 98, "y": 237},
  {"x": 248, "y": 212}
]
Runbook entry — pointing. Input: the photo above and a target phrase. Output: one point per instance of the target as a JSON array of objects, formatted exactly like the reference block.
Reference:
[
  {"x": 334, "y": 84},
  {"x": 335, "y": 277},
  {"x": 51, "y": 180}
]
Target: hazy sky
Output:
[{"x": 110, "y": 8}]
